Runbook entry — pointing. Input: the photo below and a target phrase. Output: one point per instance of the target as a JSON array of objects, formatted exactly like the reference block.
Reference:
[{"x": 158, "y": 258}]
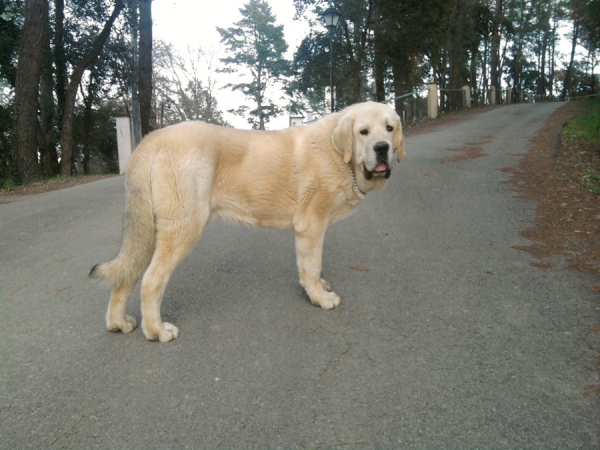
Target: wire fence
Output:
[
  {"x": 411, "y": 107},
  {"x": 416, "y": 106}
]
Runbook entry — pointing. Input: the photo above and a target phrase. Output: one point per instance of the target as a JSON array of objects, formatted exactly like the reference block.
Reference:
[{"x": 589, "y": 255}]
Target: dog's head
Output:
[{"x": 367, "y": 135}]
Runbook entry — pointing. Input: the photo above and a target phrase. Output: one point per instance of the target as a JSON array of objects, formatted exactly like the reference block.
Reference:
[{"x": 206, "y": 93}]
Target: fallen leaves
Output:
[
  {"x": 468, "y": 154},
  {"x": 359, "y": 268},
  {"x": 471, "y": 150},
  {"x": 567, "y": 215}
]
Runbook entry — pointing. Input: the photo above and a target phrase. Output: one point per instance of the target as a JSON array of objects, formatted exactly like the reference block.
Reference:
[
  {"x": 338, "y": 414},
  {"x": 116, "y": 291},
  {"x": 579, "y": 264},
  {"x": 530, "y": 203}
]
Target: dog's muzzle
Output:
[
  {"x": 384, "y": 172},
  {"x": 382, "y": 169}
]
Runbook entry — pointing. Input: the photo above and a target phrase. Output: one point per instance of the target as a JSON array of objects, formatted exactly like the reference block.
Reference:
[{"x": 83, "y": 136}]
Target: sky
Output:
[{"x": 192, "y": 23}]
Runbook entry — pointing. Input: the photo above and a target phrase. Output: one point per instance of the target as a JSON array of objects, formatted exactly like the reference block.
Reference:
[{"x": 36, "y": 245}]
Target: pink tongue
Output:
[{"x": 381, "y": 167}]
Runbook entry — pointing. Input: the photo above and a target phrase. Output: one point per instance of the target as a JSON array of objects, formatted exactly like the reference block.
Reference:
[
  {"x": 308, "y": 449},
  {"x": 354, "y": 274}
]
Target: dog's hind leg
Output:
[
  {"x": 116, "y": 319},
  {"x": 173, "y": 244},
  {"x": 136, "y": 251}
]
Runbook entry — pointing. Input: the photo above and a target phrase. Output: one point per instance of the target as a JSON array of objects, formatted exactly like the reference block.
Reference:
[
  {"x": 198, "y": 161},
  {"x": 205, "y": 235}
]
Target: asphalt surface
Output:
[{"x": 446, "y": 338}]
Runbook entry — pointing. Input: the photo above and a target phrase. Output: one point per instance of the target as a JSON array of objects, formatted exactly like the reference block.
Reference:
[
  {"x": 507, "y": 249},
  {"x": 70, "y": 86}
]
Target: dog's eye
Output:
[
  {"x": 364, "y": 132},
  {"x": 390, "y": 128}
]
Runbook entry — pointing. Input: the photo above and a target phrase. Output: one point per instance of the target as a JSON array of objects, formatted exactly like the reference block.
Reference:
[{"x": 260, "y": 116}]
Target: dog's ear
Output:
[
  {"x": 343, "y": 137},
  {"x": 399, "y": 143}
]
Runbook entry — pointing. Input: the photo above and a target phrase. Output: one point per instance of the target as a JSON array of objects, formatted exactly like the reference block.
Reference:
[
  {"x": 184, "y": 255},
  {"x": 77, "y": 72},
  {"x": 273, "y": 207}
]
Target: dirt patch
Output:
[
  {"x": 568, "y": 217},
  {"x": 359, "y": 268},
  {"x": 468, "y": 153},
  {"x": 544, "y": 264},
  {"x": 471, "y": 150},
  {"x": 52, "y": 185}
]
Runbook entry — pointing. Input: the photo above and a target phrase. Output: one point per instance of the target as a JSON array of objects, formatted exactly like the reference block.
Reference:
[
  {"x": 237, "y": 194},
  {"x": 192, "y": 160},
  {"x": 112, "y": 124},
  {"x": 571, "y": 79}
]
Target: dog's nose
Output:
[{"x": 381, "y": 148}]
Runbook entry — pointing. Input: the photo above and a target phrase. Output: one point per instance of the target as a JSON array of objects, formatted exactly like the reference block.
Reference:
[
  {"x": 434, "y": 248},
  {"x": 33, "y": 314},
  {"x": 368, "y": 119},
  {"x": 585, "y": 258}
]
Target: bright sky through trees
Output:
[{"x": 192, "y": 23}]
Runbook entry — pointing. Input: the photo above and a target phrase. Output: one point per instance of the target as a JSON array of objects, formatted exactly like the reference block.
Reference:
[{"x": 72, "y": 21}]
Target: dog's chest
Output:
[{"x": 344, "y": 210}]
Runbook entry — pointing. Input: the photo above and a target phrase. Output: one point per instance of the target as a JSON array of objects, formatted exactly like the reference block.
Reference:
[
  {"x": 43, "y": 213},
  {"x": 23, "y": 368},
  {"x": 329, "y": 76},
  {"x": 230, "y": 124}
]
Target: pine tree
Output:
[{"x": 257, "y": 47}]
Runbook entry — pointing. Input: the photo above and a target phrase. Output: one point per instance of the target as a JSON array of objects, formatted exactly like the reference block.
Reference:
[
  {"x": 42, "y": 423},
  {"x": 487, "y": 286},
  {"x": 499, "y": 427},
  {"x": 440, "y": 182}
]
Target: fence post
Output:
[
  {"x": 432, "y": 100},
  {"x": 123, "y": 143},
  {"x": 508, "y": 95},
  {"x": 492, "y": 95},
  {"x": 466, "y": 94}
]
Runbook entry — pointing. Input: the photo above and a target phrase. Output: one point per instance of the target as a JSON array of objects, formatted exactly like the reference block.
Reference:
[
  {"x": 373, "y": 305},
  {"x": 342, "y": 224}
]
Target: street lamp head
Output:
[{"x": 331, "y": 16}]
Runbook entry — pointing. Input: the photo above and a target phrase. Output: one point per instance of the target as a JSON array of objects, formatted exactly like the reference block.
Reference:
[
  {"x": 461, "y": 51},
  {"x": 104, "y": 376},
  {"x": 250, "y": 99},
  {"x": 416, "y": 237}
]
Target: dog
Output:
[{"x": 186, "y": 175}]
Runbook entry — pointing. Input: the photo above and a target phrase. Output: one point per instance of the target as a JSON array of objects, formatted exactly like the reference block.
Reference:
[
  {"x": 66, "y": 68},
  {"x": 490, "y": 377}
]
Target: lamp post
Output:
[{"x": 331, "y": 16}]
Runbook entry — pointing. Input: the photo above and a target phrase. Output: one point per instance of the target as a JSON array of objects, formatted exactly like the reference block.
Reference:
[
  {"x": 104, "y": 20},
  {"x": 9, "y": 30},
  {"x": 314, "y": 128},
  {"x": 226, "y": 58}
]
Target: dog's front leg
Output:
[{"x": 309, "y": 253}]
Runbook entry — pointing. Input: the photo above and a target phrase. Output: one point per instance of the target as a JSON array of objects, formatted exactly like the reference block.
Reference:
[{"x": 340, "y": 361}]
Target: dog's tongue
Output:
[{"x": 381, "y": 167}]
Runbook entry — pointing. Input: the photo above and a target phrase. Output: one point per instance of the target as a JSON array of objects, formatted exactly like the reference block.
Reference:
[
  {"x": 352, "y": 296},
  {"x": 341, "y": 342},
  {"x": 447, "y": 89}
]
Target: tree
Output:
[
  {"x": 145, "y": 65},
  {"x": 182, "y": 90},
  {"x": 420, "y": 27},
  {"x": 97, "y": 88},
  {"x": 60, "y": 58},
  {"x": 495, "y": 67},
  {"x": 11, "y": 20},
  {"x": 10, "y": 27},
  {"x": 577, "y": 13},
  {"x": 66, "y": 135},
  {"x": 592, "y": 24},
  {"x": 47, "y": 135},
  {"x": 83, "y": 56},
  {"x": 27, "y": 87},
  {"x": 352, "y": 58},
  {"x": 257, "y": 46}
]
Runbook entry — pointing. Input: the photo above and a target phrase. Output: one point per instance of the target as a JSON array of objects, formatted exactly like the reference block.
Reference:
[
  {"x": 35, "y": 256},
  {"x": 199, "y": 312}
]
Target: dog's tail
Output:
[{"x": 138, "y": 235}]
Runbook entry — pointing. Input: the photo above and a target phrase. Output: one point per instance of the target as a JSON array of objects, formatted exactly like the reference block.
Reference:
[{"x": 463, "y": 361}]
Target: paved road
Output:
[{"x": 450, "y": 339}]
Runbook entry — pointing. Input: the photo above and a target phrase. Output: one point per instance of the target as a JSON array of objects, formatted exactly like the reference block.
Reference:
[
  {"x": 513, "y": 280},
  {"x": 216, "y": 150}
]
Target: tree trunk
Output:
[
  {"x": 541, "y": 87},
  {"x": 552, "y": 58},
  {"x": 355, "y": 62},
  {"x": 46, "y": 140},
  {"x": 87, "y": 125},
  {"x": 60, "y": 60},
  {"x": 495, "y": 50},
  {"x": 484, "y": 71},
  {"x": 519, "y": 49},
  {"x": 518, "y": 55},
  {"x": 259, "y": 99},
  {"x": 443, "y": 65},
  {"x": 27, "y": 89},
  {"x": 379, "y": 63},
  {"x": 66, "y": 134},
  {"x": 145, "y": 65},
  {"x": 398, "y": 86},
  {"x": 473, "y": 73},
  {"x": 457, "y": 60},
  {"x": 593, "y": 79},
  {"x": 567, "y": 86}
]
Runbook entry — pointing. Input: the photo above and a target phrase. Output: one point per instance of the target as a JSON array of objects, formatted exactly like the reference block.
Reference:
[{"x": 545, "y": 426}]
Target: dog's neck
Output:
[{"x": 354, "y": 181}]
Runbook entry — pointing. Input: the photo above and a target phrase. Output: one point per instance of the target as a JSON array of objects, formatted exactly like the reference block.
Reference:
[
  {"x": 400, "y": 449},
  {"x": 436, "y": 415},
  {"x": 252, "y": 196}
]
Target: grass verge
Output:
[
  {"x": 580, "y": 149},
  {"x": 50, "y": 184}
]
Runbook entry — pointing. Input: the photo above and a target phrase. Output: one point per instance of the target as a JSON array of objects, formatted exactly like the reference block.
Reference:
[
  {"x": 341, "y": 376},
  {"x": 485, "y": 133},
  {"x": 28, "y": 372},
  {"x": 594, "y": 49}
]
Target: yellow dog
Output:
[{"x": 186, "y": 175}]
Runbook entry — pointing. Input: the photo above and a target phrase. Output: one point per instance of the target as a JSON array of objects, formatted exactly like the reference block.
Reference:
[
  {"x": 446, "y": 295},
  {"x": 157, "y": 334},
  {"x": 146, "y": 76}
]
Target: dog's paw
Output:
[
  {"x": 166, "y": 332},
  {"x": 325, "y": 285},
  {"x": 328, "y": 300},
  {"x": 126, "y": 326}
]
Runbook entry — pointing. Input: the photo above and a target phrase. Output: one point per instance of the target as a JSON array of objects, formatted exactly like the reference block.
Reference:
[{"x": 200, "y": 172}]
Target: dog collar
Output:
[{"x": 354, "y": 181}]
